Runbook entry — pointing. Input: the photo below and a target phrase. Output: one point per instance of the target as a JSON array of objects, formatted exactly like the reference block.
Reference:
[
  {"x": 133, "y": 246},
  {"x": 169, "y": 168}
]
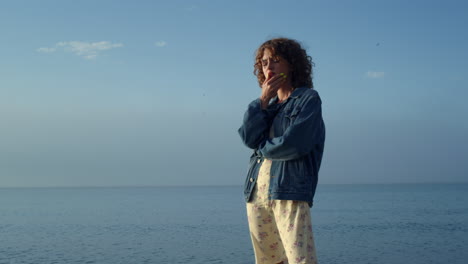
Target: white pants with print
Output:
[{"x": 281, "y": 230}]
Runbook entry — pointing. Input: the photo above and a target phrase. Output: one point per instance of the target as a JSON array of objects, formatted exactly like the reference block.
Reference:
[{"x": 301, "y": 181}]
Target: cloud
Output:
[
  {"x": 87, "y": 50},
  {"x": 191, "y": 8},
  {"x": 161, "y": 44},
  {"x": 46, "y": 50},
  {"x": 373, "y": 74}
]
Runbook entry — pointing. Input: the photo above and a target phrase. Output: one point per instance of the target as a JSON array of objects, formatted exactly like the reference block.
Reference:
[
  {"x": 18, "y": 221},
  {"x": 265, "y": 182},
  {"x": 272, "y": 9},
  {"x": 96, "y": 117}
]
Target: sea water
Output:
[{"x": 395, "y": 223}]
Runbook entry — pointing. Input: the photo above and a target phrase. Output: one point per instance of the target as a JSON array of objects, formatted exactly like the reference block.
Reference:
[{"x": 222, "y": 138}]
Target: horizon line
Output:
[{"x": 217, "y": 185}]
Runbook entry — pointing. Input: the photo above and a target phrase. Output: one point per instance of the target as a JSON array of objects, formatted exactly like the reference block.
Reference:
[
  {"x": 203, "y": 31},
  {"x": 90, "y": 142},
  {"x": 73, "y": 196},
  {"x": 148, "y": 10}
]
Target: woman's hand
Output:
[{"x": 270, "y": 88}]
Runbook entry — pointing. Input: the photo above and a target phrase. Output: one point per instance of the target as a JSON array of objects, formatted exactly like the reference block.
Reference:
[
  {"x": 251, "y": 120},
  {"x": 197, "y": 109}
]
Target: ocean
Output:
[{"x": 369, "y": 223}]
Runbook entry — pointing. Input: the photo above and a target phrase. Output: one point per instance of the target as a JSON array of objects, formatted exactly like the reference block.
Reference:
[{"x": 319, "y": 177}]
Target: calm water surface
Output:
[{"x": 413, "y": 223}]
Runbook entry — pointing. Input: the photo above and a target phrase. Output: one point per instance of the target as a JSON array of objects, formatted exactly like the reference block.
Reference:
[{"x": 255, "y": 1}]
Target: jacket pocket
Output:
[
  {"x": 292, "y": 114},
  {"x": 296, "y": 176}
]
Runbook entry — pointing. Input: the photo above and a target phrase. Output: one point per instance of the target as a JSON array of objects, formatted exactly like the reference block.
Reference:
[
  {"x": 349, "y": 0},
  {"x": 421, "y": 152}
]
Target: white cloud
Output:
[
  {"x": 46, "y": 50},
  {"x": 160, "y": 43},
  {"x": 87, "y": 50},
  {"x": 191, "y": 8},
  {"x": 373, "y": 74}
]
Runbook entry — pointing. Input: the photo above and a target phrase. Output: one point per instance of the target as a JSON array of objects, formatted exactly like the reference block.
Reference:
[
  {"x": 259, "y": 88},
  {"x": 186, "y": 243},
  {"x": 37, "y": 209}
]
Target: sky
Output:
[{"x": 151, "y": 93}]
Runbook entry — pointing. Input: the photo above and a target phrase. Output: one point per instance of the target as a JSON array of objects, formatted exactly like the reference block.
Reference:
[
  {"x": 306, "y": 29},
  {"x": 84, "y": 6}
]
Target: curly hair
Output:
[{"x": 289, "y": 49}]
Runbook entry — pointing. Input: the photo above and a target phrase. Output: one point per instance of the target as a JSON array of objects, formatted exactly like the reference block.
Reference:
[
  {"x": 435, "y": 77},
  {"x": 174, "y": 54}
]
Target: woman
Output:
[{"x": 285, "y": 129}]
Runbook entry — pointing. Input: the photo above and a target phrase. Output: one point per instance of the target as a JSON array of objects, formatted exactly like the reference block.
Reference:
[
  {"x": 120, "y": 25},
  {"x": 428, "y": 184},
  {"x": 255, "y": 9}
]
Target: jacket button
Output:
[
  {"x": 251, "y": 179},
  {"x": 258, "y": 161}
]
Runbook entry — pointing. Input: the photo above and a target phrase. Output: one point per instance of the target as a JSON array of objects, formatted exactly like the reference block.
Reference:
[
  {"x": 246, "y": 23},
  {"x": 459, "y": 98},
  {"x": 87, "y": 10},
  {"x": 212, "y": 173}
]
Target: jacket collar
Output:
[{"x": 296, "y": 93}]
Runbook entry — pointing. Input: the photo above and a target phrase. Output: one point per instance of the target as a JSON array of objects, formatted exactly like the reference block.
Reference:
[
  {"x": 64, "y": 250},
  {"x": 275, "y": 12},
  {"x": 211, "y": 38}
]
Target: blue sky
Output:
[{"x": 112, "y": 93}]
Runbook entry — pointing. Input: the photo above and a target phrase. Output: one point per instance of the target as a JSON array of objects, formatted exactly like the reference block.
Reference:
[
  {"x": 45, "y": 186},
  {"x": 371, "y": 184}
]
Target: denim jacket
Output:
[{"x": 296, "y": 149}]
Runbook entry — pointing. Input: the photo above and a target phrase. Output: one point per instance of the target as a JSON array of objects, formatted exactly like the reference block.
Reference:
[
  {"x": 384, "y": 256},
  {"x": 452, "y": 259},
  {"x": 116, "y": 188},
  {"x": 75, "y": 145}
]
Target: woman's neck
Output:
[{"x": 284, "y": 92}]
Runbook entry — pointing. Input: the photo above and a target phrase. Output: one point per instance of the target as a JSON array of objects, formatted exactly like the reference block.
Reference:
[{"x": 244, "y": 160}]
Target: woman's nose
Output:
[{"x": 270, "y": 65}]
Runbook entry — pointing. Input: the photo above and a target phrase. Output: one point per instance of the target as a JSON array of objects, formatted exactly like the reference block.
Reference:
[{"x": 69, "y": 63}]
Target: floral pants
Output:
[{"x": 280, "y": 230}]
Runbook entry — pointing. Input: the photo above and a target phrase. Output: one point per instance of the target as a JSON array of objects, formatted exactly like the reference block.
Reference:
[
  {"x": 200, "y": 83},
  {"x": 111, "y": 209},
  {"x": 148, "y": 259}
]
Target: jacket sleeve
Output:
[
  {"x": 305, "y": 132},
  {"x": 256, "y": 123}
]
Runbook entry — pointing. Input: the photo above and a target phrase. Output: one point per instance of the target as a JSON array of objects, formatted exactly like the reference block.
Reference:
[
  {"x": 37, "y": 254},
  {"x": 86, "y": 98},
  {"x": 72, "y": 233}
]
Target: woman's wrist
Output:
[{"x": 264, "y": 102}]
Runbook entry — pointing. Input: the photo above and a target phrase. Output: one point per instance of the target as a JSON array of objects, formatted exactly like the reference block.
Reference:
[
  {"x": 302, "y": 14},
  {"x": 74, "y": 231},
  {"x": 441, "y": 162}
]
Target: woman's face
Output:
[{"x": 272, "y": 65}]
